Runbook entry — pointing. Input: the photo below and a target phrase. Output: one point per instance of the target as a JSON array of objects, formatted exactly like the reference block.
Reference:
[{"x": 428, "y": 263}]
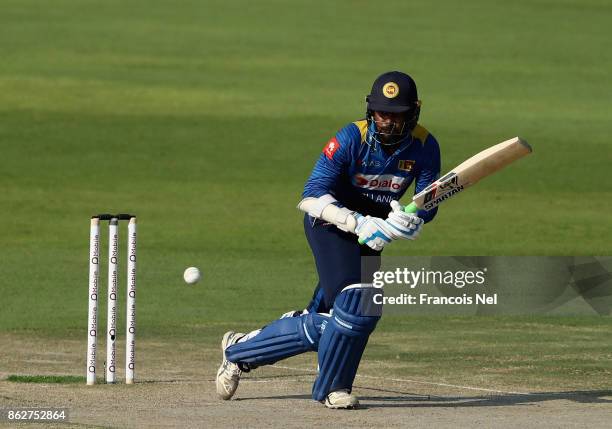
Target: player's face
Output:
[{"x": 388, "y": 123}]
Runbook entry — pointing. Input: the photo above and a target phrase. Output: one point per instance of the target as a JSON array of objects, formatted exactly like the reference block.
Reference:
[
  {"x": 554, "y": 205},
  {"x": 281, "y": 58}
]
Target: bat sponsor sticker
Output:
[
  {"x": 430, "y": 203},
  {"x": 440, "y": 190}
]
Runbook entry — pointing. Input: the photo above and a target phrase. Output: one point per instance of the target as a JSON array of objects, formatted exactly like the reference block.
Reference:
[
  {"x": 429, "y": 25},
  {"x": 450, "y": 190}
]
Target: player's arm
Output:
[
  {"x": 318, "y": 197},
  {"x": 428, "y": 174}
]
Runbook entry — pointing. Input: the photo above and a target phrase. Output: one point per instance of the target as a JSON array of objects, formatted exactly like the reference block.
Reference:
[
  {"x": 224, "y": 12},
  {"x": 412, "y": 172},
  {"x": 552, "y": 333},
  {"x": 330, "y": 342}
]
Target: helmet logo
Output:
[{"x": 390, "y": 90}]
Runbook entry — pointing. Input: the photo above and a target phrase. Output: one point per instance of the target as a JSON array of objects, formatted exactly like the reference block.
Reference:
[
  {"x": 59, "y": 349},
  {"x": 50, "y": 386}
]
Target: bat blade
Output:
[{"x": 470, "y": 172}]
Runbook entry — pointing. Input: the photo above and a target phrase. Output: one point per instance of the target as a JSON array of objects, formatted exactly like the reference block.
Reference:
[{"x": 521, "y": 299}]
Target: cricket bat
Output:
[{"x": 468, "y": 173}]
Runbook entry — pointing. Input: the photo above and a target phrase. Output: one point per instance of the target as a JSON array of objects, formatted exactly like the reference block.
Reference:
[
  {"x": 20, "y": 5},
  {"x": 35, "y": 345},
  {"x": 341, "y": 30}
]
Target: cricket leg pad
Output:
[
  {"x": 280, "y": 339},
  {"x": 344, "y": 339}
]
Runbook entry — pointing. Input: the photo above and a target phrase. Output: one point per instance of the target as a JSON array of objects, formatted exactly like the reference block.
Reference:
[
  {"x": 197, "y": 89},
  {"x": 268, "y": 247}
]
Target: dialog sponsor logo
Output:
[{"x": 383, "y": 182}]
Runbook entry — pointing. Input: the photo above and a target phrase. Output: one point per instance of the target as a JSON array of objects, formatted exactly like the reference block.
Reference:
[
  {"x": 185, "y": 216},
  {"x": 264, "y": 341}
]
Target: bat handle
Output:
[{"x": 411, "y": 208}]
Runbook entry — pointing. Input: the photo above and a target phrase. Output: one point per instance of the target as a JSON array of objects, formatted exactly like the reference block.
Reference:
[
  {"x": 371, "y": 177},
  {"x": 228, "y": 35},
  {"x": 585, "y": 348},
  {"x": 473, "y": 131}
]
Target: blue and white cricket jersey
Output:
[{"x": 362, "y": 177}]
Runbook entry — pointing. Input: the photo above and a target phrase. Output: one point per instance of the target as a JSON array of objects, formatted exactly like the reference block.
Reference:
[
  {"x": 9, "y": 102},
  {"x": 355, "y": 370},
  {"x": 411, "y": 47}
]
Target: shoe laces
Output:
[{"x": 232, "y": 369}]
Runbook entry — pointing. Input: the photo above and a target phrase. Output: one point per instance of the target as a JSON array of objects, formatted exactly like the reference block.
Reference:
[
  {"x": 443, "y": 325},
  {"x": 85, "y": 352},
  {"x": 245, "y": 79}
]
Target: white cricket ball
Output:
[{"x": 191, "y": 275}]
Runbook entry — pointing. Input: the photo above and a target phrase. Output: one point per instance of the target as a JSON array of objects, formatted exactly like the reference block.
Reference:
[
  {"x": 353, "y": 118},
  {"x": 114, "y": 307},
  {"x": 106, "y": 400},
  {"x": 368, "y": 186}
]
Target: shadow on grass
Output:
[
  {"x": 403, "y": 399},
  {"x": 501, "y": 400}
]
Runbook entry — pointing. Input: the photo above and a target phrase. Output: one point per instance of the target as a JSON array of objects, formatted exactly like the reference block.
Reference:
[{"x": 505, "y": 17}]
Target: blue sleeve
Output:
[
  {"x": 332, "y": 163},
  {"x": 429, "y": 174}
]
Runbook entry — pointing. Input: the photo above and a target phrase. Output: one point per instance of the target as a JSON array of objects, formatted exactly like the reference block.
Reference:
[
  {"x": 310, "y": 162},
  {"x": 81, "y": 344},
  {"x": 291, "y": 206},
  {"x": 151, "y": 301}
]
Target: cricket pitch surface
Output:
[{"x": 175, "y": 388}]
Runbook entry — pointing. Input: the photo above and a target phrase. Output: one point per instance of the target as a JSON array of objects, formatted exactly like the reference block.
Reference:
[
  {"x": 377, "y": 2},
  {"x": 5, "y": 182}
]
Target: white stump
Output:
[
  {"x": 130, "y": 338},
  {"x": 92, "y": 320}
]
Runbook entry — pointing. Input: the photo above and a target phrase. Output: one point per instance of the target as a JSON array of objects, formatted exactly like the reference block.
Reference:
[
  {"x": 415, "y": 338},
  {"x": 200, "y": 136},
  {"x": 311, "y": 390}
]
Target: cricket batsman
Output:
[{"x": 352, "y": 210}]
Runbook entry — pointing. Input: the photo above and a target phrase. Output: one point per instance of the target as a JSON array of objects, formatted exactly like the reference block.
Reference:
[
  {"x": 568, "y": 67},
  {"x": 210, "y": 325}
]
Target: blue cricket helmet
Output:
[{"x": 394, "y": 92}]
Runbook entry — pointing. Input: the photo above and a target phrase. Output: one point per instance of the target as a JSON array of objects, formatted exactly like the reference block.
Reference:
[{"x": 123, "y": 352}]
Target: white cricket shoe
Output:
[
  {"x": 228, "y": 375},
  {"x": 341, "y": 399}
]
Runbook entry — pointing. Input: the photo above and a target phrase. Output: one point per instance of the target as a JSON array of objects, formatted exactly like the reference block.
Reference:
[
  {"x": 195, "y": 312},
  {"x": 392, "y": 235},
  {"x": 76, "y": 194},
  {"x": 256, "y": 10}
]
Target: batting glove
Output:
[
  {"x": 373, "y": 232},
  {"x": 405, "y": 226}
]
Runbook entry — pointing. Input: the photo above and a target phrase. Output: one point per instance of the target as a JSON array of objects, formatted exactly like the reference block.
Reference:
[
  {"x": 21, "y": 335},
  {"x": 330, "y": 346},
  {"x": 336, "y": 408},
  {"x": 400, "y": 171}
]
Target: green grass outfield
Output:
[{"x": 205, "y": 118}]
